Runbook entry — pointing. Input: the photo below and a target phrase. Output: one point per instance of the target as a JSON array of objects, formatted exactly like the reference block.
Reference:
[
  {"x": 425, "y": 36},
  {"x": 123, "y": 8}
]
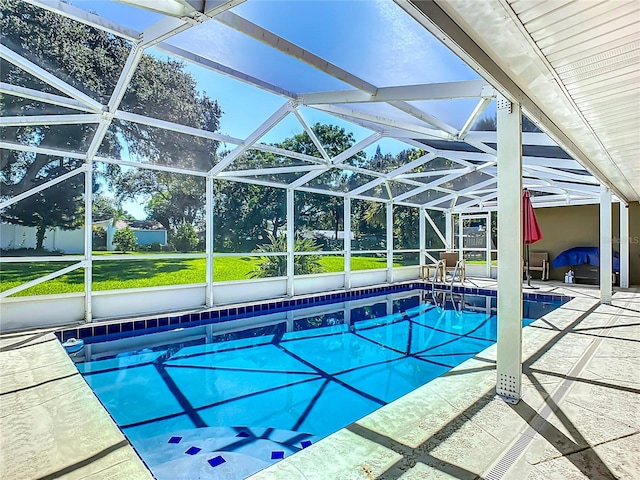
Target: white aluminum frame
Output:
[{"x": 420, "y": 126}]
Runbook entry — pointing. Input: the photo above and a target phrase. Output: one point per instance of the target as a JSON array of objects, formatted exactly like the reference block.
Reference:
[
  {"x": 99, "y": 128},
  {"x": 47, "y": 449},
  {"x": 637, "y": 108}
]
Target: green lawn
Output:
[{"x": 140, "y": 272}]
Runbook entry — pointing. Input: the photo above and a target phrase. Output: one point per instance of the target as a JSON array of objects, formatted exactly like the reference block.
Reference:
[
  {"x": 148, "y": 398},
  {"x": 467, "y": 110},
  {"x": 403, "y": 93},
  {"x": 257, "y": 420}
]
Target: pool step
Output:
[
  {"x": 210, "y": 466},
  {"x": 264, "y": 444}
]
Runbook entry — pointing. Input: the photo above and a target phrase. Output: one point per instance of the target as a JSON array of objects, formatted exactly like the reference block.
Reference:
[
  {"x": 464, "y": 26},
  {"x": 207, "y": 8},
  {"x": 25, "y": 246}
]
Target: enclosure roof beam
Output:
[
  {"x": 45, "y": 97},
  {"x": 270, "y": 171},
  {"x": 550, "y": 172},
  {"x": 76, "y": 119},
  {"x": 222, "y": 69},
  {"x": 435, "y": 183},
  {"x": 54, "y": 152},
  {"x": 429, "y": 91},
  {"x": 311, "y": 134},
  {"x": 256, "y": 181},
  {"x": 263, "y": 147},
  {"x": 424, "y": 117},
  {"x": 348, "y": 153},
  {"x": 477, "y": 201},
  {"x": 474, "y": 117},
  {"x": 383, "y": 121},
  {"x": 175, "y": 127},
  {"x": 38, "y": 72},
  {"x": 44, "y": 186},
  {"x": 255, "y": 31},
  {"x": 150, "y": 166},
  {"x": 258, "y": 133},
  {"x": 393, "y": 174},
  {"x": 540, "y": 139},
  {"x": 85, "y": 17},
  {"x": 463, "y": 192}
]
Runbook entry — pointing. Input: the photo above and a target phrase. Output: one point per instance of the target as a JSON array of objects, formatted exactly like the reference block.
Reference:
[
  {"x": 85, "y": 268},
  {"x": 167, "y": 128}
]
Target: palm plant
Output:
[{"x": 276, "y": 266}]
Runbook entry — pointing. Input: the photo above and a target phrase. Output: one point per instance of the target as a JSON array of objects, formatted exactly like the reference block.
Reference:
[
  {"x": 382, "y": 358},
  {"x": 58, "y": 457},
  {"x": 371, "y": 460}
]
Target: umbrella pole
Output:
[{"x": 528, "y": 275}]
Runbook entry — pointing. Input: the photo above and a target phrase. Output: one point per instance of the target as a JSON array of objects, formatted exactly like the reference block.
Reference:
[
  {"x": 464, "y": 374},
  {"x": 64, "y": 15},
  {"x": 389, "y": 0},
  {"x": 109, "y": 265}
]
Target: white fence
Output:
[{"x": 66, "y": 241}]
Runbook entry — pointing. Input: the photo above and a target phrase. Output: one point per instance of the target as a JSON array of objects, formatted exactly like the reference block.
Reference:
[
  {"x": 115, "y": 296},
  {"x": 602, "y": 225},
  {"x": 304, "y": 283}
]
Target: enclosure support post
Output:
[
  {"x": 389, "y": 242},
  {"x": 488, "y": 244},
  {"x": 209, "y": 239},
  {"x": 290, "y": 241},
  {"x": 509, "y": 356},
  {"x": 347, "y": 242},
  {"x": 606, "y": 261},
  {"x": 422, "y": 225},
  {"x": 448, "y": 230},
  {"x": 88, "y": 240},
  {"x": 460, "y": 236},
  {"x": 624, "y": 245}
]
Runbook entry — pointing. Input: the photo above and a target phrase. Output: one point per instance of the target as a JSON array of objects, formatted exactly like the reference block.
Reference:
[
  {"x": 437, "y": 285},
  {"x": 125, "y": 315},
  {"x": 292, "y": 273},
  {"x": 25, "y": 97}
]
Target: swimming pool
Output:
[{"x": 226, "y": 399}]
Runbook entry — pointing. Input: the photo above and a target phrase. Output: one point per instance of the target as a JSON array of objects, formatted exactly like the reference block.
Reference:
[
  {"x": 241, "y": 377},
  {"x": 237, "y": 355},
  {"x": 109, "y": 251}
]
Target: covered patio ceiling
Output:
[{"x": 397, "y": 100}]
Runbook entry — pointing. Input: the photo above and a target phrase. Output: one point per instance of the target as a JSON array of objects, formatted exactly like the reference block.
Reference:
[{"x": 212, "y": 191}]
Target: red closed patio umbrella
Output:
[{"x": 531, "y": 232}]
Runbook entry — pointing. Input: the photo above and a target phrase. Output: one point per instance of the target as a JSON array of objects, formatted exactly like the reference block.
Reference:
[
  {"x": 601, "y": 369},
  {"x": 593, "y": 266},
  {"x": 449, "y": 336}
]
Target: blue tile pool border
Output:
[{"x": 99, "y": 332}]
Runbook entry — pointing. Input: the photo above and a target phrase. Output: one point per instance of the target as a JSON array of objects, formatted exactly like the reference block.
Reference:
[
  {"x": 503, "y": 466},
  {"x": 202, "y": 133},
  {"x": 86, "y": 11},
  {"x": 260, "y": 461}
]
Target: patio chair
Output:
[
  {"x": 539, "y": 262},
  {"x": 450, "y": 260}
]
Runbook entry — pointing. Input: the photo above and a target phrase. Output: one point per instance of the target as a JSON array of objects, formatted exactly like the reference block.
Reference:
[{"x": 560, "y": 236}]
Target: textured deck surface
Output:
[{"x": 51, "y": 424}]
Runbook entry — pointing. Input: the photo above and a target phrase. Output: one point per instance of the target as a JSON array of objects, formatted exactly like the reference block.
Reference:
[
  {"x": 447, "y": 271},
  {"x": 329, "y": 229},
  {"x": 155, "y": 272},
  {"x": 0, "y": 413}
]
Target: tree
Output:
[
  {"x": 51, "y": 41},
  {"x": 91, "y": 60},
  {"x": 179, "y": 199},
  {"x": 276, "y": 266},
  {"x": 125, "y": 240},
  {"x": 185, "y": 239},
  {"x": 107, "y": 208}
]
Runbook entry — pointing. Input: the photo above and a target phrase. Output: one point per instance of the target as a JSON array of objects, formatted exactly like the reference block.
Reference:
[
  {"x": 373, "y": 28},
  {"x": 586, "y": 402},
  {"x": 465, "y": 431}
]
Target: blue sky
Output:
[{"x": 375, "y": 40}]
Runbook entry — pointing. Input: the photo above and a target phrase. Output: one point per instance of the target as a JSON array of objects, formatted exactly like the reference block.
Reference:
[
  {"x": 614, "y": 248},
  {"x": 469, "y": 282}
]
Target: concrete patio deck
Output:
[{"x": 578, "y": 417}]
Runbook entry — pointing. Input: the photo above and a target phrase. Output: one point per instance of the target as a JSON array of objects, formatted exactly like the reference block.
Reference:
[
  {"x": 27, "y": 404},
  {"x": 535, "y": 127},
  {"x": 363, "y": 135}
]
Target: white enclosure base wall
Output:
[
  {"x": 480, "y": 271},
  {"x": 306, "y": 284},
  {"x": 404, "y": 274},
  {"x": 250, "y": 291},
  {"x": 21, "y": 313},
  {"x": 365, "y": 278},
  {"x": 144, "y": 301}
]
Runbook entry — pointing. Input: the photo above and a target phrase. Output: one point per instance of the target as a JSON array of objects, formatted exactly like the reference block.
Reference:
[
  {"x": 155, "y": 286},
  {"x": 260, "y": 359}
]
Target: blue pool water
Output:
[{"x": 227, "y": 399}]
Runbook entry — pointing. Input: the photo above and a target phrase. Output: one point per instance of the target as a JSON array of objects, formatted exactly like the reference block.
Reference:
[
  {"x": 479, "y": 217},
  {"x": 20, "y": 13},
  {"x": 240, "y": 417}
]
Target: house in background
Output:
[{"x": 146, "y": 231}]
